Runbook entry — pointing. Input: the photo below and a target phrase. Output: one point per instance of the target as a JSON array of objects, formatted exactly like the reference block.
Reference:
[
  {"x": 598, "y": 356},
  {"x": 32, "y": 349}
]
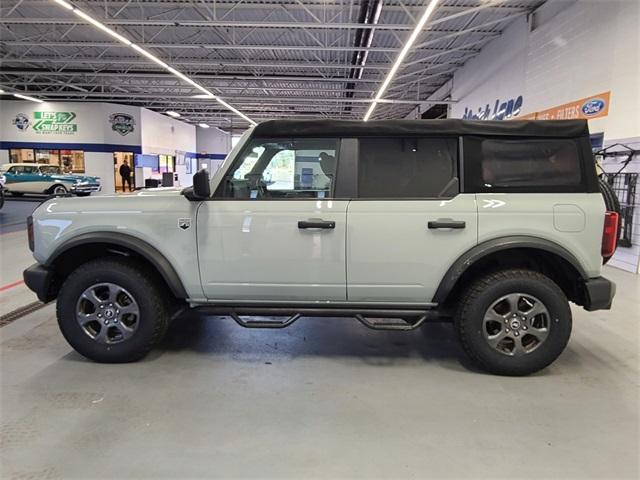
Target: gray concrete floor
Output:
[{"x": 326, "y": 398}]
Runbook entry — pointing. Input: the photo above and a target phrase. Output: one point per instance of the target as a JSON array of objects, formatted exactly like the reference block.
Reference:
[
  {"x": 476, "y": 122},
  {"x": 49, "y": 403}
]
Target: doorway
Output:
[{"x": 118, "y": 160}]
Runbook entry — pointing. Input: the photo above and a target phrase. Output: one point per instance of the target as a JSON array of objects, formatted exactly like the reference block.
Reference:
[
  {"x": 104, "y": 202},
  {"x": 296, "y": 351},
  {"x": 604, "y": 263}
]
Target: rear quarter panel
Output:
[{"x": 573, "y": 221}]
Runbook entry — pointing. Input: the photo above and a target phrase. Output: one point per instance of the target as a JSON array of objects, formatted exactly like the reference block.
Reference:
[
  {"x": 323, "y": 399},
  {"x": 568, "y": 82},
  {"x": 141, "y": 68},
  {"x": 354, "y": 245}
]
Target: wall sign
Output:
[
  {"x": 59, "y": 123},
  {"x": 586, "y": 108},
  {"x": 502, "y": 110},
  {"x": 21, "y": 121},
  {"x": 123, "y": 123}
]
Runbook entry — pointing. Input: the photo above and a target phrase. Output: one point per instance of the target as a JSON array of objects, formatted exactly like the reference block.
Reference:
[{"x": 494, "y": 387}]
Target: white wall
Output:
[
  {"x": 212, "y": 140},
  {"x": 165, "y": 135}
]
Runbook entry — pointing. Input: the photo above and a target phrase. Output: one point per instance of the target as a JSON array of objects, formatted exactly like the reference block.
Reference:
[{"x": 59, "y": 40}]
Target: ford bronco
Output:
[{"x": 496, "y": 226}]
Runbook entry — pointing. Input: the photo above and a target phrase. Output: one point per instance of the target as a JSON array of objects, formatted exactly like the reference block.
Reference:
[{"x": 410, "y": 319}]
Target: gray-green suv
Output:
[{"x": 495, "y": 225}]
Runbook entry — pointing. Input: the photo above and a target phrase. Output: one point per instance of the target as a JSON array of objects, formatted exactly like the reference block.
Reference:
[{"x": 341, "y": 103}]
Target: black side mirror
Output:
[{"x": 201, "y": 188}]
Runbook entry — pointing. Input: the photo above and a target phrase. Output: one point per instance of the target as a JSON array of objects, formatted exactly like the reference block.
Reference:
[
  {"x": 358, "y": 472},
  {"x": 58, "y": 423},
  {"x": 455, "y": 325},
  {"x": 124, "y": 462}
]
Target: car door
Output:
[
  {"x": 409, "y": 223},
  {"x": 20, "y": 179},
  {"x": 273, "y": 231}
]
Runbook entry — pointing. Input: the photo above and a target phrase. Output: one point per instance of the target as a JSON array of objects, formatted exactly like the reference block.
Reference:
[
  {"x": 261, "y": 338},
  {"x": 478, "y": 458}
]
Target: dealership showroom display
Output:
[{"x": 292, "y": 239}]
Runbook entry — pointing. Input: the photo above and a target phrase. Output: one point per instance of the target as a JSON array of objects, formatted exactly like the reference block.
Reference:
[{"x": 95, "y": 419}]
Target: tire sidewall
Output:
[
  {"x": 59, "y": 186},
  {"x": 128, "y": 350},
  {"x": 559, "y": 332}
]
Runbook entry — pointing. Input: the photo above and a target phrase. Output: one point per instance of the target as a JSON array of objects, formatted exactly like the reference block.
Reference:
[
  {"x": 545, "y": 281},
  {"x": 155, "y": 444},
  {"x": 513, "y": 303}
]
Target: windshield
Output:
[{"x": 50, "y": 170}]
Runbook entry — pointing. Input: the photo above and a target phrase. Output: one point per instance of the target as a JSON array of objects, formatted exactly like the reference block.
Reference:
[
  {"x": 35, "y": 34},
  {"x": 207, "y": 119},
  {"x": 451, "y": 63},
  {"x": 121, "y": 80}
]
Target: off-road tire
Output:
[
  {"x": 480, "y": 295},
  {"x": 149, "y": 293}
]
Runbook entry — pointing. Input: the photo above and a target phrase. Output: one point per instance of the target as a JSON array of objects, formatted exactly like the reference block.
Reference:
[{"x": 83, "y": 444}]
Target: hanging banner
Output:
[{"x": 587, "y": 108}]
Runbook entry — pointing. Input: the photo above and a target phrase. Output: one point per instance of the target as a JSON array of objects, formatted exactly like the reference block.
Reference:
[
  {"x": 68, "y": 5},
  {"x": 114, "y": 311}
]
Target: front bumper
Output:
[
  {"x": 86, "y": 188},
  {"x": 39, "y": 279},
  {"x": 599, "y": 293}
]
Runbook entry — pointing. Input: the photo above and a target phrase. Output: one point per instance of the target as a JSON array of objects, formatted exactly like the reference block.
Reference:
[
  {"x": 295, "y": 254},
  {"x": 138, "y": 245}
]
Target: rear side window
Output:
[
  {"x": 502, "y": 165},
  {"x": 407, "y": 167}
]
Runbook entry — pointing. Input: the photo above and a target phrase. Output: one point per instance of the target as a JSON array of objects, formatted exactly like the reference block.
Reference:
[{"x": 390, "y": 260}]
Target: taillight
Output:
[
  {"x": 610, "y": 233},
  {"x": 30, "y": 232}
]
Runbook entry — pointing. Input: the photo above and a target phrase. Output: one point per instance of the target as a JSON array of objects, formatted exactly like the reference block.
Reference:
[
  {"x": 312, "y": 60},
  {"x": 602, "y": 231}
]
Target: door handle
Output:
[
  {"x": 316, "y": 223},
  {"x": 447, "y": 223}
]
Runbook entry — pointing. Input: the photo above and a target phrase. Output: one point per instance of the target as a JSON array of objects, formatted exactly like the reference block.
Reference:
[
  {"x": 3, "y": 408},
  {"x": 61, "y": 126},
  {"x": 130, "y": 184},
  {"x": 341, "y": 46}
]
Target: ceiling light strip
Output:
[
  {"x": 403, "y": 53},
  {"x": 151, "y": 57}
]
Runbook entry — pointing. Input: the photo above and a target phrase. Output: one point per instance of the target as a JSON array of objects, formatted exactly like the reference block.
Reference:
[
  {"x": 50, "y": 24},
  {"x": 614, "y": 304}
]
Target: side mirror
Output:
[{"x": 201, "y": 188}]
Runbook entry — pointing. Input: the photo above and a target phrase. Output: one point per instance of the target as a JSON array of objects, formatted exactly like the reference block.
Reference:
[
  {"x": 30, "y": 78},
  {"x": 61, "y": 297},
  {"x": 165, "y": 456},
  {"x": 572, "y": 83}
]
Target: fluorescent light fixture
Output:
[
  {"x": 101, "y": 26},
  {"x": 403, "y": 53},
  {"x": 2, "y": 91},
  {"x": 173, "y": 114},
  {"x": 203, "y": 125},
  {"x": 66, "y": 5},
  {"x": 27, "y": 97}
]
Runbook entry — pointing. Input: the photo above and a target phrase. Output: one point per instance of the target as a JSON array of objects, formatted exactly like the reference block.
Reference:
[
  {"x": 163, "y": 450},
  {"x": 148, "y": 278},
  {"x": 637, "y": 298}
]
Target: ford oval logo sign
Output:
[{"x": 593, "y": 106}]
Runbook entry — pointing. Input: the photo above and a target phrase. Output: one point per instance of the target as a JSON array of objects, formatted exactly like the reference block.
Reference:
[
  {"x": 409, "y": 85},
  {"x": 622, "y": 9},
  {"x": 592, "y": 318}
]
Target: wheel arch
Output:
[
  {"x": 536, "y": 254},
  {"x": 88, "y": 246}
]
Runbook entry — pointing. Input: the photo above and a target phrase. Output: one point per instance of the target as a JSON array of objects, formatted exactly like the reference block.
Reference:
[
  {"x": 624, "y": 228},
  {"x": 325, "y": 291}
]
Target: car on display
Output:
[
  {"x": 36, "y": 178},
  {"x": 2, "y": 182},
  {"x": 495, "y": 226}
]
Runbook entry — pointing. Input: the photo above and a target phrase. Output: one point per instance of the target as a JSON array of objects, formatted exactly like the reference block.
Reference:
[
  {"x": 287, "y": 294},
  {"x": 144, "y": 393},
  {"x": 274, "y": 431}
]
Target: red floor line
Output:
[{"x": 11, "y": 285}]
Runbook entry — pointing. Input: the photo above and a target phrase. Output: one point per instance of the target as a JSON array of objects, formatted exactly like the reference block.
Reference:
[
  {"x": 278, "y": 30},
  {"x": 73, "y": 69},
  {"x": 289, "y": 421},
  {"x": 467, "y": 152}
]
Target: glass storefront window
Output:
[
  {"x": 21, "y": 155},
  {"x": 70, "y": 161}
]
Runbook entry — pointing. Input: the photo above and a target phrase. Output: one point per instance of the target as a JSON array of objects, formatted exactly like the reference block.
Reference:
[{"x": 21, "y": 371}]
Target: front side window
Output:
[
  {"x": 407, "y": 168},
  {"x": 282, "y": 168}
]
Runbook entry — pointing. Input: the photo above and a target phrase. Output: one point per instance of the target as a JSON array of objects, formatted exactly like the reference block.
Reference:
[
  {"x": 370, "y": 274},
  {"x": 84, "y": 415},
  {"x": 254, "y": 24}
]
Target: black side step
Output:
[{"x": 388, "y": 319}]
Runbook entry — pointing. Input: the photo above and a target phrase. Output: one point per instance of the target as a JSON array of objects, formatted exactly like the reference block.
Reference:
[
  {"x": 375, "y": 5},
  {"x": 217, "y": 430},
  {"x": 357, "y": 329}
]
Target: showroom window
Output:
[
  {"x": 503, "y": 165},
  {"x": 283, "y": 168},
  {"x": 407, "y": 167},
  {"x": 70, "y": 161}
]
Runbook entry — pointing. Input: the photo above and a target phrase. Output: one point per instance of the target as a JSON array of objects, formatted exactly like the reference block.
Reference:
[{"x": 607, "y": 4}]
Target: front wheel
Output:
[
  {"x": 59, "y": 190},
  {"x": 514, "y": 322},
  {"x": 112, "y": 310}
]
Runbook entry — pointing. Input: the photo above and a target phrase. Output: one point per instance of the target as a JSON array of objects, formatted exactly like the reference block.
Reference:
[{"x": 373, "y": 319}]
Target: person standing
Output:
[{"x": 125, "y": 173}]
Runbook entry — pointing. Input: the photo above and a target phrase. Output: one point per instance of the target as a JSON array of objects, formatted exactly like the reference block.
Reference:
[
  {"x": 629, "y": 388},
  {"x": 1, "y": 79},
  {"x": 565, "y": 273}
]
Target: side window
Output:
[
  {"x": 16, "y": 170},
  {"x": 407, "y": 167},
  {"x": 283, "y": 168},
  {"x": 504, "y": 165},
  {"x": 30, "y": 169}
]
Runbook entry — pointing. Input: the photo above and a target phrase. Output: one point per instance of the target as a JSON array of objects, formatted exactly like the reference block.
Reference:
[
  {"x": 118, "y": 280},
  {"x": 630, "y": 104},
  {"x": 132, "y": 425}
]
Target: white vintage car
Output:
[{"x": 24, "y": 178}]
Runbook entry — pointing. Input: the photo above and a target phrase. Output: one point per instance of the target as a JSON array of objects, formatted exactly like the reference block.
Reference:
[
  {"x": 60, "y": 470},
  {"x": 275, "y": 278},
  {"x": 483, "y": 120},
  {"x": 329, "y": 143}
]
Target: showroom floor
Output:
[{"x": 325, "y": 398}]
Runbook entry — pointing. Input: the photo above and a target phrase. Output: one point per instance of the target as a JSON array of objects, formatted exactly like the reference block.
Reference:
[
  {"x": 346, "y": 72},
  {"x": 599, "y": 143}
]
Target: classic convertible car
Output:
[{"x": 24, "y": 178}]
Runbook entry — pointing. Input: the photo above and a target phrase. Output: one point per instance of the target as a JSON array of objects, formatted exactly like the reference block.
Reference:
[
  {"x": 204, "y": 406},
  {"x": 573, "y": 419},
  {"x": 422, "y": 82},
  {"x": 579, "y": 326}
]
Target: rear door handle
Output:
[
  {"x": 447, "y": 223},
  {"x": 316, "y": 223}
]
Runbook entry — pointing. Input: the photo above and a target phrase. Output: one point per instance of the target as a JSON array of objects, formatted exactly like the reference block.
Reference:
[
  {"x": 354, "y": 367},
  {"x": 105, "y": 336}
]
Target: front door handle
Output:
[
  {"x": 316, "y": 223},
  {"x": 446, "y": 223}
]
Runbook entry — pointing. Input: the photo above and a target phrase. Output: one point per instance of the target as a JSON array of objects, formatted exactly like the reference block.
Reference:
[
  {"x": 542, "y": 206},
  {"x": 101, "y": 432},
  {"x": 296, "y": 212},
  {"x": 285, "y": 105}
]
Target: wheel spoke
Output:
[
  {"x": 85, "y": 318},
  {"x": 493, "y": 316},
  {"x": 518, "y": 348},
  {"x": 125, "y": 331},
  {"x": 512, "y": 299},
  {"x": 494, "y": 340},
  {"x": 131, "y": 308},
  {"x": 537, "y": 309},
  {"x": 540, "y": 333},
  {"x": 90, "y": 296},
  {"x": 102, "y": 336},
  {"x": 114, "y": 290}
]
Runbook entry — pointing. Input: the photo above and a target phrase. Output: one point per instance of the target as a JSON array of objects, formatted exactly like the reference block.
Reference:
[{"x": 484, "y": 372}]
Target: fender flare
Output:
[
  {"x": 142, "y": 248},
  {"x": 483, "y": 249}
]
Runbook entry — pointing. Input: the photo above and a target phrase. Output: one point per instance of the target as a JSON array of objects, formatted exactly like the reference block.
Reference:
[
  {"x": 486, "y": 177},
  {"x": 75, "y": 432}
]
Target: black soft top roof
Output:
[{"x": 381, "y": 128}]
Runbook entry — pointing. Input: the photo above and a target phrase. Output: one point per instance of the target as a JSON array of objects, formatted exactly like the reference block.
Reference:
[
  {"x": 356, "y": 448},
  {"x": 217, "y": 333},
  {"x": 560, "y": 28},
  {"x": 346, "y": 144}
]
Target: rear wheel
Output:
[
  {"x": 112, "y": 310},
  {"x": 514, "y": 322}
]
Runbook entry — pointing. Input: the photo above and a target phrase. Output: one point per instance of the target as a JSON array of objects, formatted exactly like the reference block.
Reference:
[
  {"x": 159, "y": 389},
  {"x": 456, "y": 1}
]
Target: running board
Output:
[{"x": 375, "y": 319}]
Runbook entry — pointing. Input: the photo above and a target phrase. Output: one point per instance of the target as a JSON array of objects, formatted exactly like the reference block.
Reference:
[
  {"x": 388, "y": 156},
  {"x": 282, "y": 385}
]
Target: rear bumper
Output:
[
  {"x": 39, "y": 279},
  {"x": 599, "y": 293}
]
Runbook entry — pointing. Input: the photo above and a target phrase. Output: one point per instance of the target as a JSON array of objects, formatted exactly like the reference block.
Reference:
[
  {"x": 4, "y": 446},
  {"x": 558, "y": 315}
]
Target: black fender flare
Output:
[
  {"x": 142, "y": 248},
  {"x": 483, "y": 249}
]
